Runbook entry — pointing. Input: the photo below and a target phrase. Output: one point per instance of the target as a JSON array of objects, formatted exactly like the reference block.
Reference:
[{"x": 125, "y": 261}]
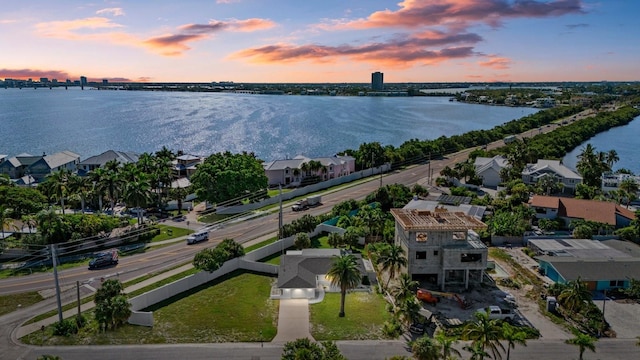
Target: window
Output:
[
  {"x": 421, "y": 237},
  {"x": 435, "y": 253},
  {"x": 470, "y": 257},
  {"x": 421, "y": 255},
  {"x": 616, "y": 283}
]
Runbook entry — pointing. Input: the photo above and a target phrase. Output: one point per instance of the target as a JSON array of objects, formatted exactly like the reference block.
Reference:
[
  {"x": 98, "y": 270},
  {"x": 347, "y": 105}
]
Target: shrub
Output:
[{"x": 66, "y": 327}]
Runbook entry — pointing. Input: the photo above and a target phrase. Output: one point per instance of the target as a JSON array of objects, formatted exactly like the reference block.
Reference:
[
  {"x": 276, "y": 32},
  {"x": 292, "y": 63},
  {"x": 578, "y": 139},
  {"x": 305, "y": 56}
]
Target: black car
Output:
[{"x": 104, "y": 259}]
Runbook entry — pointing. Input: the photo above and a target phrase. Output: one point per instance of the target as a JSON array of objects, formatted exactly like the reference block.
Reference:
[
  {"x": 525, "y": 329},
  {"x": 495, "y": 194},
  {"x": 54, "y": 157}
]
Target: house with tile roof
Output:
[
  {"x": 442, "y": 247},
  {"x": 289, "y": 172},
  {"x": 488, "y": 169},
  {"x": 99, "y": 161},
  {"x": 534, "y": 172},
  {"x": 568, "y": 209}
]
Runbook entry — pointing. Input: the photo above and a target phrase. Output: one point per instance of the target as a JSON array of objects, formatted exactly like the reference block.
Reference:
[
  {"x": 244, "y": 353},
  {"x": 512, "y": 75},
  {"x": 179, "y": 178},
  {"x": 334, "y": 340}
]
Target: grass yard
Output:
[
  {"x": 233, "y": 308},
  {"x": 10, "y": 303},
  {"x": 365, "y": 315},
  {"x": 170, "y": 232}
]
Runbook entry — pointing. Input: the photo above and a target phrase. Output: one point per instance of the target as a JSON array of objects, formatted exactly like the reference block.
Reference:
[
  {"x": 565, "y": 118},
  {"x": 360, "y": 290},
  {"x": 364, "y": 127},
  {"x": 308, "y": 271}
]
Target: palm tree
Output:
[
  {"x": 513, "y": 336},
  {"x": 30, "y": 221},
  {"x": 344, "y": 272},
  {"x": 5, "y": 220},
  {"x": 58, "y": 182},
  {"x": 612, "y": 158},
  {"x": 334, "y": 240},
  {"x": 50, "y": 226},
  {"x": 178, "y": 194},
  {"x": 405, "y": 289},
  {"x": 583, "y": 342},
  {"x": 392, "y": 260},
  {"x": 446, "y": 345},
  {"x": 476, "y": 350},
  {"x": 137, "y": 192},
  {"x": 424, "y": 348},
  {"x": 574, "y": 296},
  {"x": 485, "y": 332},
  {"x": 630, "y": 186},
  {"x": 79, "y": 186},
  {"x": 109, "y": 179}
]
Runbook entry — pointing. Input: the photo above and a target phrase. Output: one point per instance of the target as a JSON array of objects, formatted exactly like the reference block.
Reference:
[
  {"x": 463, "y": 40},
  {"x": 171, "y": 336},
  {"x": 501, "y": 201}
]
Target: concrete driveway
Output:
[{"x": 293, "y": 320}]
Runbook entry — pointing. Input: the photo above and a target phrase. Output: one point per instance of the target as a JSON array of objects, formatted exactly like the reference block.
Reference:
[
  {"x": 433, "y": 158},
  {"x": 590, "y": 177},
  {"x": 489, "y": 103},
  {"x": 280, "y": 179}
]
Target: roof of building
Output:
[
  {"x": 544, "y": 166},
  {"x": 120, "y": 156},
  {"x": 283, "y": 164},
  {"x": 298, "y": 269},
  {"x": 577, "y": 248},
  {"x": 594, "y": 269},
  {"x": 182, "y": 182},
  {"x": 497, "y": 162},
  {"x": 298, "y": 160},
  {"x": 470, "y": 210},
  {"x": 188, "y": 157},
  {"x": 439, "y": 219},
  {"x": 60, "y": 158},
  {"x": 604, "y": 212}
]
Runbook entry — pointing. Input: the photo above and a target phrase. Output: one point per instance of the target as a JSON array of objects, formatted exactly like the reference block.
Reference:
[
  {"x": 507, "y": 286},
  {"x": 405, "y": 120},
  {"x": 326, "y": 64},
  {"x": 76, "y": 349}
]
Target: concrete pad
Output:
[{"x": 293, "y": 320}]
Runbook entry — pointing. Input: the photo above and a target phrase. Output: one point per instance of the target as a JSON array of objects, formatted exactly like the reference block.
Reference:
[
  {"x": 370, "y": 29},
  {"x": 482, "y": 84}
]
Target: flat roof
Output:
[{"x": 578, "y": 248}]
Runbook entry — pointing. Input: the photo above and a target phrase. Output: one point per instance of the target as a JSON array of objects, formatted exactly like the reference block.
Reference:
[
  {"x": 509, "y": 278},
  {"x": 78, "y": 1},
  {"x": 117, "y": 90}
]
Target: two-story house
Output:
[
  {"x": 290, "y": 171},
  {"x": 98, "y": 161},
  {"x": 488, "y": 169},
  {"x": 16, "y": 167},
  {"x": 611, "y": 182},
  {"x": 50, "y": 163},
  {"x": 569, "y": 209},
  {"x": 185, "y": 165},
  {"x": 441, "y": 246},
  {"x": 534, "y": 172}
]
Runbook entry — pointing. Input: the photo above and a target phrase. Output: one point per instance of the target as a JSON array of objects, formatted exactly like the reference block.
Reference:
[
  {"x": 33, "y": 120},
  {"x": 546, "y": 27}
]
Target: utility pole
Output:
[
  {"x": 380, "y": 175},
  {"x": 78, "y": 294},
  {"x": 429, "y": 168},
  {"x": 55, "y": 275},
  {"x": 280, "y": 214},
  {"x": 604, "y": 303},
  {"x": 372, "y": 164}
]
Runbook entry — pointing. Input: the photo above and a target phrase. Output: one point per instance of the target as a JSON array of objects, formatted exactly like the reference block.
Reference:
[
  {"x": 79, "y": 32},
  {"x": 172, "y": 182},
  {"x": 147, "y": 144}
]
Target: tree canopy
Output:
[{"x": 226, "y": 176}]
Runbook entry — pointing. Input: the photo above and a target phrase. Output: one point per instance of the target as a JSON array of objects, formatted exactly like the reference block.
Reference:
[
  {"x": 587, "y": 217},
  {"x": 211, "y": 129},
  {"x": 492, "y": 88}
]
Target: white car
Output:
[{"x": 202, "y": 235}]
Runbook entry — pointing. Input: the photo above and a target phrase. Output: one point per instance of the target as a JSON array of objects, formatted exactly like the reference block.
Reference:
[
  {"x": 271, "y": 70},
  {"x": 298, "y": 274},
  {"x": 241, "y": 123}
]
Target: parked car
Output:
[
  {"x": 496, "y": 312},
  {"x": 107, "y": 258}
]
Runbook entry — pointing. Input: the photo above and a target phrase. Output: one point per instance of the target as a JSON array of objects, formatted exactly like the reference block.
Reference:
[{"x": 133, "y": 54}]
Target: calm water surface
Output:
[{"x": 89, "y": 122}]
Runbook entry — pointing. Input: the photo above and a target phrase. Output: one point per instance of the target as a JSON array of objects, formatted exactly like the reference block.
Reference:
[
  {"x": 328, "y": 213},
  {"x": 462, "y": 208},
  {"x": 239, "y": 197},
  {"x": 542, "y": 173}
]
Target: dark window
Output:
[
  {"x": 471, "y": 257},
  {"x": 421, "y": 255},
  {"x": 435, "y": 253},
  {"x": 616, "y": 283}
]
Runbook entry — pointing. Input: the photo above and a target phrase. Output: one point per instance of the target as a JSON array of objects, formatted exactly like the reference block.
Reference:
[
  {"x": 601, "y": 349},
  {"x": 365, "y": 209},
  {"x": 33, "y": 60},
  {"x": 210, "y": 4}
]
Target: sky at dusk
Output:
[{"x": 266, "y": 41}]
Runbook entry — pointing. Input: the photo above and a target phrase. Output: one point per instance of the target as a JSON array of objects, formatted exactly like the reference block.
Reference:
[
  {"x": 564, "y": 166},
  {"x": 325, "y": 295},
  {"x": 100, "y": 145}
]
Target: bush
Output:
[{"x": 66, "y": 327}]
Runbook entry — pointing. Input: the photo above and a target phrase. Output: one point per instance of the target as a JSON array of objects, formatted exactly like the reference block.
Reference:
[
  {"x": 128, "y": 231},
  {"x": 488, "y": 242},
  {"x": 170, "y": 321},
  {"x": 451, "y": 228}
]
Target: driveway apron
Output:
[{"x": 293, "y": 320}]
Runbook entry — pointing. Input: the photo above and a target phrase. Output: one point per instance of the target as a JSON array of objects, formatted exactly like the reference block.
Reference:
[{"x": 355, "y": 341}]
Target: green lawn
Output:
[
  {"x": 260, "y": 244},
  {"x": 234, "y": 308},
  {"x": 365, "y": 315},
  {"x": 170, "y": 232},
  {"x": 9, "y": 303}
]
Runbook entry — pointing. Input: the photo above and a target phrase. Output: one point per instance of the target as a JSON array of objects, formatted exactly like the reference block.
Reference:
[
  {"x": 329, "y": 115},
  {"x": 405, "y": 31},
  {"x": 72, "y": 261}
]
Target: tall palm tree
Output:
[
  {"x": 405, "y": 289},
  {"x": 344, "y": 273},
  {"x": 424, "y": 348},
  {"x": 178, "y": 194},
  {"x": 81, "y": 187},
  {"x": 392, "y": 260},
  {"x": 612, "y": 158},
  {"x": 487, "y": 333},
  {"x": 574, "y": 296},
  {"x": 112, "y": 182},
  {"x": 58, "y": 183},
  {"x": 583, "y": 342},
  {"x": 50, "y": 226},
  {"x": 138, "y": 193},
  {"x": 30, "y": 221},
  {"x": 446, "y": 345},
  {"x": 513, "y": 336}
]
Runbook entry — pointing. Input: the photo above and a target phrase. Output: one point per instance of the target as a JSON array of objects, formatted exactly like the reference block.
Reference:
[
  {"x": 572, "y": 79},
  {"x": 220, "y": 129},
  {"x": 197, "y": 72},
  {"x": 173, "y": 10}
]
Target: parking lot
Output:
[{"x": 622, "y": 316}]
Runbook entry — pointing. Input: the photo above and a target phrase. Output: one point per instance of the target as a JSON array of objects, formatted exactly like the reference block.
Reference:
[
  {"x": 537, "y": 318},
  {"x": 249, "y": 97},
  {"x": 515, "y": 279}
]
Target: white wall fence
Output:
[
  {"x": 303, "y": 190},
  {"x": 248, "y": 262}
]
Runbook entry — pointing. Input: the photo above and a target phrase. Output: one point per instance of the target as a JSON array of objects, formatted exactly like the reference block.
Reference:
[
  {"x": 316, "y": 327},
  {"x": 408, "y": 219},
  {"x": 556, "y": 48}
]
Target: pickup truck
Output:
[
  {"x": 107, "y": 258},
  {"x": 496, "y": 312}
]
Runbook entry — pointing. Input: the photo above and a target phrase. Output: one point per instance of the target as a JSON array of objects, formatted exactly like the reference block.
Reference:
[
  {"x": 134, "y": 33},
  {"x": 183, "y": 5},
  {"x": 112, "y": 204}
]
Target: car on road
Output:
[
  {"x": 107, "y": 258},
  {"x": 202, "y": 235}
]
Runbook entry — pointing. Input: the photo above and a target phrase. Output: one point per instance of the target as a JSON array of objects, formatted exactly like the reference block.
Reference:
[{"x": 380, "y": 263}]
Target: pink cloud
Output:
[
  {"x": 417, "y": 13},
  {"x": 111, "y": 11},
  {"x": 60, "y": 75},
  {"x": 496, "y": 63},
  {"x": 423, "y": 48}
]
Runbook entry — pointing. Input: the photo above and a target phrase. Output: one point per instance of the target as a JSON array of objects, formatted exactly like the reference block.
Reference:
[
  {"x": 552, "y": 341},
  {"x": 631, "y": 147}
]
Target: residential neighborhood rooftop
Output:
[
  {"x": 439, "y": 219},
  {"x": 599, "y": 211}
]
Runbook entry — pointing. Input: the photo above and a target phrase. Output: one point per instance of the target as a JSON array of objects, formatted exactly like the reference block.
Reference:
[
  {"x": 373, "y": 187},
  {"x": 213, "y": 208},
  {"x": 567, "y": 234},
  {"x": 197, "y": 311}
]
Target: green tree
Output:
[
  {"x": 211, "y": 259},
  {"x": 80, "y": 187},
  {"x": 392, "y": 260},
  {"x": 305, "y": 349},
  {"x": 574, "y": 296},
  {"x": 583, "y": 342},
  {"x": 513, "y": 337},
  {"x": 23, "y": 200},
  {"x": 335, "y": 240},
  {"x": 405, "y": 289},
  {"x": 112, "y": 307},
  {"x": 345, "y": 274},
  {"x": 137, "y": 192},
  {"x": 58, "y": 183},
  {"x": 425, "y": 348},
  {"x": 302, "y": 241},
  {"x": 486, "y": 332},
  {"x": 5, "y": 218},
  {"x": 226, "y": 176},
  {"x": 50, "y": 226},
  {"x": 477, "y": 351},
  {"x": 630, "y": 187},
  {"x": 446, "y": 344}
]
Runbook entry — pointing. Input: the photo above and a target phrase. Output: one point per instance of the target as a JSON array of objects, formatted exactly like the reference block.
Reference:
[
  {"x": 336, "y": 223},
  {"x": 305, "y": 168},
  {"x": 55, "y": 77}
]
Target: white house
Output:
[
  {"x": 533, "y": 172},
  {"x": 289, "y": 172},
  {"x": 612, "y": 182},
  {"x": 488, "y": 169}
]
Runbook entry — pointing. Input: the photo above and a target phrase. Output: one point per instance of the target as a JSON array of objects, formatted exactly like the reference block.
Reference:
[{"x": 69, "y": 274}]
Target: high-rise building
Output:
[
  {"x": 377, "y": 81},
  {"x": 83, "y": 80}
]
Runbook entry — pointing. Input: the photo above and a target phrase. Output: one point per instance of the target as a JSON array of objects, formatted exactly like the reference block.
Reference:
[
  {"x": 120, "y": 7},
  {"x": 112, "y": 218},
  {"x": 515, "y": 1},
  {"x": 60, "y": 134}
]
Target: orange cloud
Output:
[
  {"x": 496, "y": 63},
  {"x": 60, "y": 75},
  {"x": 176, "y": 44},
  {"x": 455, "y": 13},
  {"x": 70, "y": 29},
  {"x": 423, "y": 48}
]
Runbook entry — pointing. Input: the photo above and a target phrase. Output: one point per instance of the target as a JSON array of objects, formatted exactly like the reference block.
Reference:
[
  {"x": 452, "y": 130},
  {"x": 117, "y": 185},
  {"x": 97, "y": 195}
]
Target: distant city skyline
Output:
[{"x": 319, "y": 42}]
